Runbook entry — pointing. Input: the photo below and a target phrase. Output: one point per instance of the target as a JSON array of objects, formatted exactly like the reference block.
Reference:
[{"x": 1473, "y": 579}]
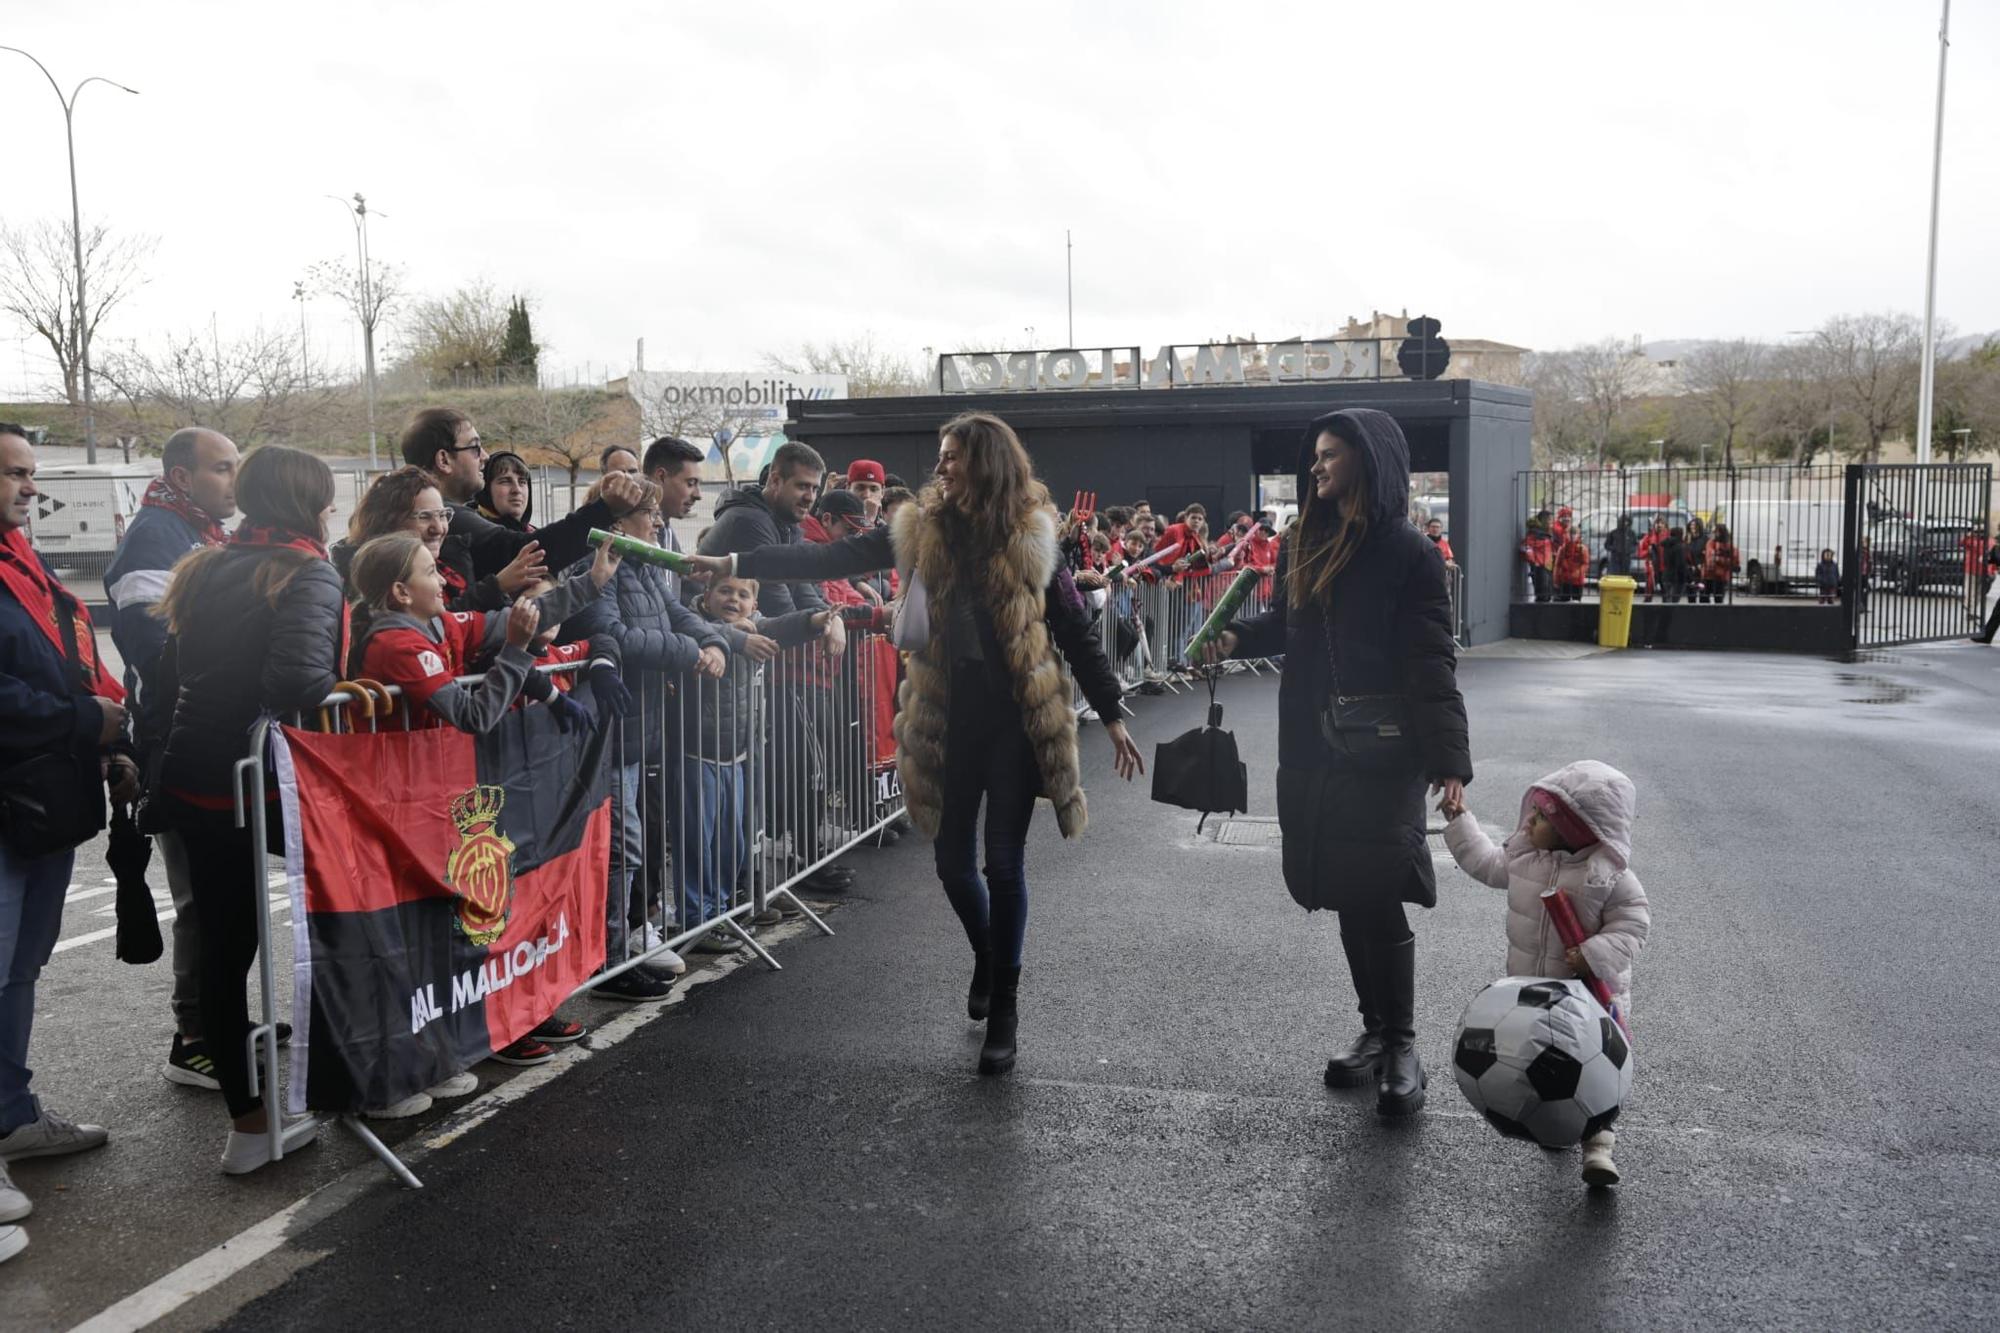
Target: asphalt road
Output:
[{"x": 1811, "y": 1142}]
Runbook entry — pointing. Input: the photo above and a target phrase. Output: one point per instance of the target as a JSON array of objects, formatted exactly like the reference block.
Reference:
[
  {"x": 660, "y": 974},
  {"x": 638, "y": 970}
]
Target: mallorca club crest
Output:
[{"x": 481, "y": 871}]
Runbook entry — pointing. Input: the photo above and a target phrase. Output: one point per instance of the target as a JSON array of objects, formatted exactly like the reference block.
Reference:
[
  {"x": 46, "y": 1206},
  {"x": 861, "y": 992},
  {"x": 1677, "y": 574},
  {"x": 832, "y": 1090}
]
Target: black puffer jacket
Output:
[
  {"x": 238, "y": 658},
  {"x": 658, "y": 641},
  {"x": 745, "y": 521},
  {"x": 1354, "y": 835}
]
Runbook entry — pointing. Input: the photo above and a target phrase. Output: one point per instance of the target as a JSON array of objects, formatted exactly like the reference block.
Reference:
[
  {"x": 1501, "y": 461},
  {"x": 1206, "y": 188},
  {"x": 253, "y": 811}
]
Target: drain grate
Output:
[{"x": 1249, "y": 831}]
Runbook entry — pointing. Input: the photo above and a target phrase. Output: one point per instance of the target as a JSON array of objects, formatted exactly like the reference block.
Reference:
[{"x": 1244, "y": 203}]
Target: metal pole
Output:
[
  {"x": 76, "y": 237},
  {"x": 368, "y": 326},
  {"x": 1927, "y": 381},
  {"x": 1069, "y": 283}
]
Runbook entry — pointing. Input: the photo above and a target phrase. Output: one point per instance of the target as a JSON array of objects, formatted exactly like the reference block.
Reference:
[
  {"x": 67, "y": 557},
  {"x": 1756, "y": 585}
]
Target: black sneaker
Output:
[
  {"x": 829, "y": 879},
  {"x": 636, "y": 986},
  {"x": 717, "y": 941},
  {"x": 188, "y": 1065},
  {"x": 524, "y": 1053},
  {"x": 559, "y": 1032}
]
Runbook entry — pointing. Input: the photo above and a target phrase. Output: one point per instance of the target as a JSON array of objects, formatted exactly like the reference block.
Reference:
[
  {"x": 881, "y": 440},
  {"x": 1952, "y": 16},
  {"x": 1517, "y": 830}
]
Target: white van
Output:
[
  {"x": 1778, "y": 541},
  {"x": 81, "y": 513}
]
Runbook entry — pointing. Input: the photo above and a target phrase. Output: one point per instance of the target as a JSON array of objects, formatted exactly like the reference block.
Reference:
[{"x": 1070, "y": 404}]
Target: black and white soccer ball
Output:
[{"x": 1541, "y": 1060}]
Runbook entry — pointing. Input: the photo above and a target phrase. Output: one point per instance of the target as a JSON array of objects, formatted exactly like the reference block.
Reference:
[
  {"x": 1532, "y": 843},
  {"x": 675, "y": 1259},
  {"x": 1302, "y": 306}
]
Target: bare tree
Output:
[
  {"x": 463, "y": 332},
  {"x": 1723, "y": 378},
  {"x": 255, "y": 388},
  {"x": 1605, "y": 374},
  {"x": 871, "y": 371},
  {"x": 1968, "y": 401},
  {"x": 1797, "y": 399},
  {"x": 38, "y": 286},
  {"x": 1874, "y": 363},
  {"x": 574, "y": 425},
  {"x": 1561, "y": 425}
]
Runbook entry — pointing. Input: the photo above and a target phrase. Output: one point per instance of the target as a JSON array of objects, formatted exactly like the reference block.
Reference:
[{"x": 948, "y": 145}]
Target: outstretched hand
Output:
[
  {"x": 1126, "y": 754},
  {"x": 707, "y": 566}
]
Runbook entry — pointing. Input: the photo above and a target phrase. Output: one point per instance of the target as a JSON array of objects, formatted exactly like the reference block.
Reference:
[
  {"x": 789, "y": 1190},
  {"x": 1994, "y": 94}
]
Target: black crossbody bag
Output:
[
  {"x": 54, "y": 801},
  {"x": 1370, "y": 729}
]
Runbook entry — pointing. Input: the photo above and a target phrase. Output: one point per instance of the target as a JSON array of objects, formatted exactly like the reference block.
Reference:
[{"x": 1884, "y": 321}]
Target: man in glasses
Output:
[{"x": 443, "y": 442}]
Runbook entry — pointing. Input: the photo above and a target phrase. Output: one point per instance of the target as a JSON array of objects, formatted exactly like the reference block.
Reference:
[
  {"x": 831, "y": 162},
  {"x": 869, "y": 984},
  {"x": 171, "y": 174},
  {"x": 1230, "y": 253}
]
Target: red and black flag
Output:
[{"x": 447, "y": 893}]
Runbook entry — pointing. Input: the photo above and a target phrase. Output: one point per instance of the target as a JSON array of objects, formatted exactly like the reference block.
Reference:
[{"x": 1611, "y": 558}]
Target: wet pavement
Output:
[{"x": 1811, "y": 1141}]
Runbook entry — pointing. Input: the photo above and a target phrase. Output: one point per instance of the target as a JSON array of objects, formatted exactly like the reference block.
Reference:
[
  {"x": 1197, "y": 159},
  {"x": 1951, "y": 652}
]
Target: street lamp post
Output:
[
  {"x": 76, "y": 237},
  {"x": 358, "y": 210},
  {"x": 1927, "y": 375}
]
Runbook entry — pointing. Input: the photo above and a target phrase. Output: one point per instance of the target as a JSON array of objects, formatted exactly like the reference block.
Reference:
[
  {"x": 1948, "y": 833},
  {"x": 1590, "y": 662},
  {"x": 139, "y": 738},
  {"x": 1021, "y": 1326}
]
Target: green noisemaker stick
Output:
[
  {"x": 634, "y": 549},
  {"x": 1218, "y": 619}
]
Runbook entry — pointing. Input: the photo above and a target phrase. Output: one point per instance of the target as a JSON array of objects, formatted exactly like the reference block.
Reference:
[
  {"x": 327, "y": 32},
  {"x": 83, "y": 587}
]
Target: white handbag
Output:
[{"x": 910, "y": 626}]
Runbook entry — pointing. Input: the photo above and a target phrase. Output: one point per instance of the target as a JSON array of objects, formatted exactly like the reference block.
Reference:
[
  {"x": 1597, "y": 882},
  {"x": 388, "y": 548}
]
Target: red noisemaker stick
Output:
[{"x": 1570, "y": 931}]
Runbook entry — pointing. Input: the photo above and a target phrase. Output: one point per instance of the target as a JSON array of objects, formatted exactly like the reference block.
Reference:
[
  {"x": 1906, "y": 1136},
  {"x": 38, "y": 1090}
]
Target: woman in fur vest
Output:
[
  {"x": 985, "y": 714},
  {"x": 1368, "y": 712}
]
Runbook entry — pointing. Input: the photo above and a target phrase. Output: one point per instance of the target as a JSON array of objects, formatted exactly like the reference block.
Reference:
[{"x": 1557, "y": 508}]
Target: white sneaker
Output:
[
  {"x": 653, "y": 938},
  {"x": 51, "y": 1136},
  {"x": 416, "y": 1104},
  {"x": 244, "y": 1153},
  {"x": 458, "y": 1085},
  {"x": 666, "y": 959},
  {"x": 13, "y": 1240},
  {"x": 14, "y": 1205}
]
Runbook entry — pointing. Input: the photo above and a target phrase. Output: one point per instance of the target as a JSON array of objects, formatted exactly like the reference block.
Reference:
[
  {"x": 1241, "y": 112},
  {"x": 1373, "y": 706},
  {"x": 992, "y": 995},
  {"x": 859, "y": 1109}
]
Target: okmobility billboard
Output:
[{"x": 745, "y": 408}]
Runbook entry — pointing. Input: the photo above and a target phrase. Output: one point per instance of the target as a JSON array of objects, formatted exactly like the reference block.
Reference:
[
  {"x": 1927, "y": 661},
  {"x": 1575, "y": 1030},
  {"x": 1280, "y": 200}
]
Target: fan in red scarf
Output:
[
  {"x": 49, "y": 603},
  {"x": 163, "y": 494},
  {"x": 250, "y": 534}
]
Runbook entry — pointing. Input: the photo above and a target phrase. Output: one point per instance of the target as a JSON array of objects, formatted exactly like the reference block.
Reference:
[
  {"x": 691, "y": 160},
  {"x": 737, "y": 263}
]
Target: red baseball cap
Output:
[{"x": 865, "y": 469}]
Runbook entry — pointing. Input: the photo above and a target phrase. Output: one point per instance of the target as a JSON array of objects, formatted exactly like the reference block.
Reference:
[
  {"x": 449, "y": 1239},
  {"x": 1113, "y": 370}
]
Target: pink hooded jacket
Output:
[{"x": 1608, "y": 898}]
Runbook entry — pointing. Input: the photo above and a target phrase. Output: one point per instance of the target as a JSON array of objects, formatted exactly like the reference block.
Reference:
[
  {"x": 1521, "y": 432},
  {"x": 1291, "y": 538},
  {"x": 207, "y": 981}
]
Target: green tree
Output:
[{"x": 519, "y": 351}]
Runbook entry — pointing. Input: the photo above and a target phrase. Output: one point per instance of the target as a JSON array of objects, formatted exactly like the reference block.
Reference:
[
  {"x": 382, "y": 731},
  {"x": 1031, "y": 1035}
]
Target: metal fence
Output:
[
  {"x": 1914, "y": 551},
  {"x": 1758, "y": 531},
  {"x": 727, "y": 792}
]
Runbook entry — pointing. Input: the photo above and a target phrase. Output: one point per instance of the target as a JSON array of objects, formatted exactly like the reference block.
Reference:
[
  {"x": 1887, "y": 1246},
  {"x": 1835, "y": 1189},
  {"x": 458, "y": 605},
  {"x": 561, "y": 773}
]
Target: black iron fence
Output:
[
  {"x": 1915, "y": 550},
  {"x": 1697, "y": 535}
]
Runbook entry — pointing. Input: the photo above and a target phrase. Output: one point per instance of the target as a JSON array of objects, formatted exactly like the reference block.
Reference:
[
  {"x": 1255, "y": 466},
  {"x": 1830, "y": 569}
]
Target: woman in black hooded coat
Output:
[{"x": 1363, "y": 610}]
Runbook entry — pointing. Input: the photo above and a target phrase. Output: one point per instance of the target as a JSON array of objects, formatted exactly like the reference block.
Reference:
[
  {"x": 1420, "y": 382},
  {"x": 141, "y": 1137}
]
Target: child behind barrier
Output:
[{"x": 714, "y": 830}]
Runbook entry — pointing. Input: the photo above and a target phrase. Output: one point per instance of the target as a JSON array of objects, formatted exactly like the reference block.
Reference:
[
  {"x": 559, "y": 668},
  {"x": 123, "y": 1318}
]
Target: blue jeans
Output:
[
  {"x": 987, "y": 759},
  {"x": 714, "y": 843},
  {"x": 32, "y": 890}
]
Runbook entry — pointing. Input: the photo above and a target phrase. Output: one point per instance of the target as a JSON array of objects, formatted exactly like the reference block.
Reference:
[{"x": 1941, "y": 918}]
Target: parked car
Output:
[
  {"x": 1908, "y": 556},
  {"x": 81, "y": 513},
  {"x": 1595, "y": 525}
]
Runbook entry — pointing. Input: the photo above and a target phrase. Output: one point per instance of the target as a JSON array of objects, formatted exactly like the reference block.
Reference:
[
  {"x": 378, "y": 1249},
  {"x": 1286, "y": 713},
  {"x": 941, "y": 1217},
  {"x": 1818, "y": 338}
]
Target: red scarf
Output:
[
  {"x": 454, "y": 582},
  {"x": 163, "y": 494},
  {"x": 46, "y": 601},
  {"x": 252, "y": 534}
]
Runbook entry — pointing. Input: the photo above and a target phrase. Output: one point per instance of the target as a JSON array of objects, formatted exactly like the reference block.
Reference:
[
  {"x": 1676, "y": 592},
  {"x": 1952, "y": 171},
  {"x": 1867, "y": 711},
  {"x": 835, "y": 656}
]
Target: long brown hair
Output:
[
  {"x": 1328, "y": 532},
  {"x": 997, "y": 487},
  {"x": 387, "y": 505},
  {"x": 277, "y": 487}
]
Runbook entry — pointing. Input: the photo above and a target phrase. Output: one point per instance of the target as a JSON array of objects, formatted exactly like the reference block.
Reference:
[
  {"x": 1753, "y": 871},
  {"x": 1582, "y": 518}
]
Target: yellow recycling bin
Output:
[{"x": 1614, "y": 610}]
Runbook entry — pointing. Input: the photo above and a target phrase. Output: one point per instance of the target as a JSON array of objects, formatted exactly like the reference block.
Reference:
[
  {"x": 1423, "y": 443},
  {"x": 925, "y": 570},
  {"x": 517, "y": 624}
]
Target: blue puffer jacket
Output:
[
  {"x": 658, "y": 640},
  {"x": 134, "y": 583},
  {"x": 43, "y": 707}
]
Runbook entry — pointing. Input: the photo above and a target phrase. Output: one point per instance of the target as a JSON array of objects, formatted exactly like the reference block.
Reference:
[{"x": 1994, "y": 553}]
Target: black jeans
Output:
[
  {"x": 228, "y": 894},
  {"x": 987, "y": 757}
]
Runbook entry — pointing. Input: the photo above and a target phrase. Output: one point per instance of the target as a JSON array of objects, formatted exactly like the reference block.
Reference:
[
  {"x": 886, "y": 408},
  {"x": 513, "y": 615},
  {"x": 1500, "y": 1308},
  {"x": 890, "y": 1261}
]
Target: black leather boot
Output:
[
  {"x": 997, "y": 1055},
  {"x": 979, "y": 995},
  {"x": 1355, "y": 1067},
  {"x": 1400, "y": 1088}
]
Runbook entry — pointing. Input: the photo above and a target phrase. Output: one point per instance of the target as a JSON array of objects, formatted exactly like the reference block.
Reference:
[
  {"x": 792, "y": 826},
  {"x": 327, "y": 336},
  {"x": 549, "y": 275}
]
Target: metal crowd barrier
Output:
[
  {"x": 1144, "y": 627},
  {"x": 727, "y": 793}
]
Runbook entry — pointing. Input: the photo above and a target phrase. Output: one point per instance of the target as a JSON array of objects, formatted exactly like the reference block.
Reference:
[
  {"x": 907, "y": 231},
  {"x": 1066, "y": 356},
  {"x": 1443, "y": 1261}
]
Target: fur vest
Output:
[{"x": 1015, "y": 590}]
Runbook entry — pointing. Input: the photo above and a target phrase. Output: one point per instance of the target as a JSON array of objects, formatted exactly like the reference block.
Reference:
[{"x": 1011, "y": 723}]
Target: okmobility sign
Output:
[
  {"x": 1180, "y": 365},
  {"x": 741, "y": 411}
]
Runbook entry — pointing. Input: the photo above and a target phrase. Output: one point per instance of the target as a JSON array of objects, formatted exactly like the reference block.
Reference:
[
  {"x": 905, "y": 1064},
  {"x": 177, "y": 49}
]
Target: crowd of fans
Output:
[
  {"x": 444, "y": 586},
  {"x": 1675, "y": 563}
]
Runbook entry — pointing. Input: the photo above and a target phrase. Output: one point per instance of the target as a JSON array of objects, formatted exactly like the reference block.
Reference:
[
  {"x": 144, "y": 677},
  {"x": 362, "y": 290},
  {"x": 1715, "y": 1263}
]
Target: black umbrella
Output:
[
  {"x": 1199, "y": 770},
  {"x": 138, "y": 918}
]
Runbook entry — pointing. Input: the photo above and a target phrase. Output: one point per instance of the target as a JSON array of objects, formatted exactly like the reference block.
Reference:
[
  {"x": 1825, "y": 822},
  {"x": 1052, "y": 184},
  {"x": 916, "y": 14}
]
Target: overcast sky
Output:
[{"x": 732, "y": 177}]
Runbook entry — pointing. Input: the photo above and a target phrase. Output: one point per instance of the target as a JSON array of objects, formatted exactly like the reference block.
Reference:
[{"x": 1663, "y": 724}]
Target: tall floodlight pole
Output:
[
  {"x": 76, "y": 237},
  {"x": 1069, "y": 283},
  {"x": 1927, "y": 381},
  {"x": 358, "y": 210}
]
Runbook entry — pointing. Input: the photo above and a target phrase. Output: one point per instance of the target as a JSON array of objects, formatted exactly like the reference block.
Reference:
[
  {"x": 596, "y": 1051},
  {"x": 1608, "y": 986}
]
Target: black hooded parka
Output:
[{"x": 1354, "y": 836}]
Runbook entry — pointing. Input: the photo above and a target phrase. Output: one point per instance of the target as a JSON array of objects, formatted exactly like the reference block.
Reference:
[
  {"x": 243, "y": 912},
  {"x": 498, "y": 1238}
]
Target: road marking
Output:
[
  {"x": 278, "y": 904},
  {"x": 89, "y": 893},
  {"x": 207, "y": 1271}
]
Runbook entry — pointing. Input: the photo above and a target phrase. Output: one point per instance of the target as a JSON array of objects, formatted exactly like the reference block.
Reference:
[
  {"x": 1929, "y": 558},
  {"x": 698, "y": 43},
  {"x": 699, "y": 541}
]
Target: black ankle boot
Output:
[
  {"x": 997, "y": 1055},
  {"x": 1399, "y": 1090},
  {"x": 979, "y": 996},
  {"x": 1355, "y": 1067}
]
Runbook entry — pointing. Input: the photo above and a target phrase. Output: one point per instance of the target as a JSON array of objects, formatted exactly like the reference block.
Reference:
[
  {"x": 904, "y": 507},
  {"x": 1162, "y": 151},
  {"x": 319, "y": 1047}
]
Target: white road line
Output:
[
  {"x": 90, "y": 893},
  {"x": 278, "y": 904},
  {"x": 207, "y": 1271}
]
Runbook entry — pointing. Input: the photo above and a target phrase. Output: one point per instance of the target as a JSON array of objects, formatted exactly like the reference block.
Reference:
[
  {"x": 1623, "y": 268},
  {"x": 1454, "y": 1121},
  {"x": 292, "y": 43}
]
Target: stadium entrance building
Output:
[{"x": 1204, "y": 424}]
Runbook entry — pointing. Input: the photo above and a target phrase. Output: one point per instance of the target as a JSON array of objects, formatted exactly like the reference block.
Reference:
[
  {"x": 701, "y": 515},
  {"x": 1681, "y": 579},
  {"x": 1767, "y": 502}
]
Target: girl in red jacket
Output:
[{"x": 1572, "y": 567}]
